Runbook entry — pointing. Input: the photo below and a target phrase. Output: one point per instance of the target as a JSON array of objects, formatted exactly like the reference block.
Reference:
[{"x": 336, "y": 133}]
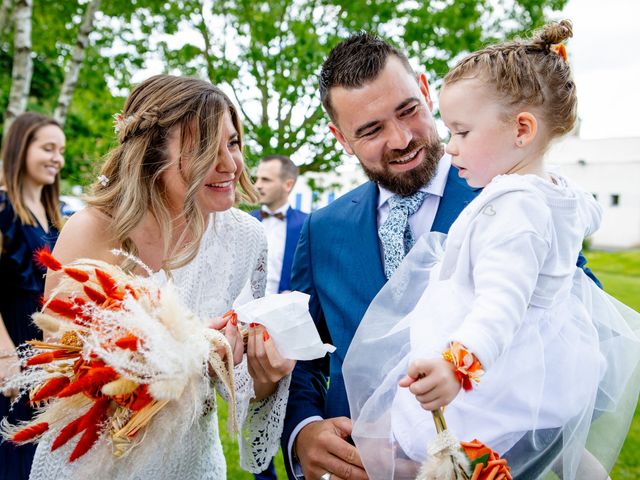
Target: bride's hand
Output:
[
  {"x": 266, "y": 365},
  {"x": 233, "y": 335}
]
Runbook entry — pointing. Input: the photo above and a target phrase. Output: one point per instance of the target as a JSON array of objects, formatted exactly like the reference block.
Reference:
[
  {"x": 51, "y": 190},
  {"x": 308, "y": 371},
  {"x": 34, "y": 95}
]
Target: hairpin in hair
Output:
[
  {"x": 559, "y": 49},
  {"x": 120, "y": 121},
  {"x": 103, "y": 180}
]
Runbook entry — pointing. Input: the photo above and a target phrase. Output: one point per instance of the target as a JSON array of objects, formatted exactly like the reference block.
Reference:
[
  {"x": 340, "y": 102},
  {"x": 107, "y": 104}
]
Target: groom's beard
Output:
[{"x": 409, "y": 182}]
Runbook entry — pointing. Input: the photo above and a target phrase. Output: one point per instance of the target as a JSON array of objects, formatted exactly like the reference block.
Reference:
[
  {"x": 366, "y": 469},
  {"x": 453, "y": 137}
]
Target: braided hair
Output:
[
  {"x": 130, "y": 183},
  {"x": 528, "y": 73}
]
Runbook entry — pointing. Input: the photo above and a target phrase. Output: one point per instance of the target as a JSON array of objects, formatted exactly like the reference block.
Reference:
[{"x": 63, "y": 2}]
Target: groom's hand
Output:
[{"x": 322, "y": 447}]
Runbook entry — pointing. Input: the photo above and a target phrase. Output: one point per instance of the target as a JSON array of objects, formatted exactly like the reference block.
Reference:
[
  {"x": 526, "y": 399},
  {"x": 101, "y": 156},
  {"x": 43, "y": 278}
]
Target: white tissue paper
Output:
[{"x": 286, "y": 318}]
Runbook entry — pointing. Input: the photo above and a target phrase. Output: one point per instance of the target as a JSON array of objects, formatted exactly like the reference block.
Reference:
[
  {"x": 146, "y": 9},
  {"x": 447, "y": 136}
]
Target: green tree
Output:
[
  {"x": 265, "y": 54},
  {"x": 122, "y": 27},
  {"x": 269, "y": 53}
]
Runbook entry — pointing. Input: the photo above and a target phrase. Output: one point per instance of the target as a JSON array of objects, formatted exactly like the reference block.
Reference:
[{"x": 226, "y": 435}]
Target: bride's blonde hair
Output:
[{"x": 130, "y": 182}]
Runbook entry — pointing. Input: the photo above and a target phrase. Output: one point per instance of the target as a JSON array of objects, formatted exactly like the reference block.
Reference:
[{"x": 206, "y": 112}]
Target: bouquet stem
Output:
[
  {"x": 438, "y": 419},
  {"x": 445, "y": 459}
]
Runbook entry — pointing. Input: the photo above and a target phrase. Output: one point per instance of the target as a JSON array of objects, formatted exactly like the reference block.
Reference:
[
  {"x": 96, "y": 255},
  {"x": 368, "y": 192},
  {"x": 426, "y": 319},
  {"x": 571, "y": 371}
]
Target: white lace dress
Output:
[{"x": 230, "y": 266}]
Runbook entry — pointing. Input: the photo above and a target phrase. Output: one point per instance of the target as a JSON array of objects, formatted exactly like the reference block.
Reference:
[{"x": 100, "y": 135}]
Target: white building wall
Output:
[
  {"x": 332, "y": 186},
  {"x": 610, "y": 169}
]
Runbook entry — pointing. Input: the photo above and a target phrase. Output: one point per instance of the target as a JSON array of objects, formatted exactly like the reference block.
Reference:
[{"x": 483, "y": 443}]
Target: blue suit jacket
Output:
[
  {"x": 295, "y": 220},
  {"x": 338, "y": 263}
]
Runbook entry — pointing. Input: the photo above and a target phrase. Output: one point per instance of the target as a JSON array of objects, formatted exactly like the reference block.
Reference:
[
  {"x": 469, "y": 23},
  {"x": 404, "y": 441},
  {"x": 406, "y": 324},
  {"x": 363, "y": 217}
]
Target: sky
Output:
[{"x": 606, "y": 65}]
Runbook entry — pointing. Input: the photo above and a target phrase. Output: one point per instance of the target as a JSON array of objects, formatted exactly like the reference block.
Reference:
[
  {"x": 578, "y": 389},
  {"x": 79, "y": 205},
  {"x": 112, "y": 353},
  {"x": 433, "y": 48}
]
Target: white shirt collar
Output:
[
  {"x": 435, "y": 187},
  {"x": 283, "y": 209}
]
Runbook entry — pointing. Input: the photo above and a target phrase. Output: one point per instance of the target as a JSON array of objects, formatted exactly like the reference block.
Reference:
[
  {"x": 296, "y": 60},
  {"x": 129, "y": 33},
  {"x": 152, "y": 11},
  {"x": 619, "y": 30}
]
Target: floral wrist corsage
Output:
[{"x": 468, "y": 367}]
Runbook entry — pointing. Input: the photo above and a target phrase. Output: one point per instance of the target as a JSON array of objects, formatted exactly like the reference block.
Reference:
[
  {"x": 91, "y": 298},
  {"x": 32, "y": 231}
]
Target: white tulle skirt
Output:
[{"x": 561, "y": 397}]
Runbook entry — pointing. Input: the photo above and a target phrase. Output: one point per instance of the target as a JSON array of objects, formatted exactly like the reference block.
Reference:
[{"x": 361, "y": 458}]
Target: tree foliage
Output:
[{"x": 265, "y": 54}]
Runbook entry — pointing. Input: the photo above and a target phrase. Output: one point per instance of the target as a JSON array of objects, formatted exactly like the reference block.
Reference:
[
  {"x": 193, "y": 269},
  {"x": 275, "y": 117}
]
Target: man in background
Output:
[{"x": 275, "y": 178}]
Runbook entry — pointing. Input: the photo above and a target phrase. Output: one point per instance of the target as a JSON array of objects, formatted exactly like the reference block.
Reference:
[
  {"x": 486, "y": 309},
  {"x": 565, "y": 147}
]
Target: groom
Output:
[{"x": 380, "y": 111}]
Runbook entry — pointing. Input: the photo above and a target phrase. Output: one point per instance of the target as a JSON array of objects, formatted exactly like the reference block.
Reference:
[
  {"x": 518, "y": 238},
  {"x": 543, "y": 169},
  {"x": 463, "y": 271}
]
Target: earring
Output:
[{"x": 520, "y": 142}]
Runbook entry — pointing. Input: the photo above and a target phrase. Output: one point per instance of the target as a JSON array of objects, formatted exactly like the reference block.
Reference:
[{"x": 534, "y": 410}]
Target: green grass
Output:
[
  {"x": 619, "y": 263},
  {"x": 230, "y": 447},
  {"x": 620, "y": 275}
]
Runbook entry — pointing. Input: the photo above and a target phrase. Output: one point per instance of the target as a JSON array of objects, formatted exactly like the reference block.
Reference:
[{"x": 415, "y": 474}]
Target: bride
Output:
[{"x": 165, "y": 195}]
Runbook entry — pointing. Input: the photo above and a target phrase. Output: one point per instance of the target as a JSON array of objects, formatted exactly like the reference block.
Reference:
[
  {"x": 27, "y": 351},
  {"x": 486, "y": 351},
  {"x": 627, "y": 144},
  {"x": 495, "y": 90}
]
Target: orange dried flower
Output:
[
  {"x": 77, "y": 274},
  {"x": 67, "y": 433},
  {"x": 91, "y": 424},
  {"x": 468, "y": 367},
  {"x": 94, "y": 379},
  {"x": 44, "y": 259},
  {"x": 51, "y": 388},
  {"x": 109, "y": 285},
  {"x": 48, "y": 357},
  {"x": 94, "y": 295},
  {"x": 30, "y": 432},
  {"x": 560, "y": 49},
  {"x": 486, "y": 464},
  {"x": 65, "y": 308},
  {"x": 129, "y": 342}
]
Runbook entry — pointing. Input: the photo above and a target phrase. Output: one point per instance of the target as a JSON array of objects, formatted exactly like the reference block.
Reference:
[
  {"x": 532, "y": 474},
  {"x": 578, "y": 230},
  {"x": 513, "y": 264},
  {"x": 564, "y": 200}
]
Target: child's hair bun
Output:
[{"x": 554, "y": 32}]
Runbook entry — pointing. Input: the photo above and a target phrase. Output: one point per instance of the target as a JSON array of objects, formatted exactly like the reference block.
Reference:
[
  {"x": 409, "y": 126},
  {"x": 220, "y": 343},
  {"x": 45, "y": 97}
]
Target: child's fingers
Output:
[
  {"x": 428, "y": 395},
  {"x": 434, "y": 404},
  {"x": 422, "y": 367},
  {"x": 423, "y": 385},
  {"x": 406, "y": 381},
  {"x": 417, "y": 368}
]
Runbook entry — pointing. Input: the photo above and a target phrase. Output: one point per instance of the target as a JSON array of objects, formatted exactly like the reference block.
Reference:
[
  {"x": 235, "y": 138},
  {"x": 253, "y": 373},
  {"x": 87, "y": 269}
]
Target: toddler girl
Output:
[{"x": 525, "y": 351}]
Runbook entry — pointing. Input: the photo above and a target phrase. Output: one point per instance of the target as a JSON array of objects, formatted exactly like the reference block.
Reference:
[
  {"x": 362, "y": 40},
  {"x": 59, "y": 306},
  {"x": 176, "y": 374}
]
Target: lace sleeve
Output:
[
  {"x": 260, "y": 422},
  {"x": 260, "y": 434},
  {"x": 262, "y": 427}
]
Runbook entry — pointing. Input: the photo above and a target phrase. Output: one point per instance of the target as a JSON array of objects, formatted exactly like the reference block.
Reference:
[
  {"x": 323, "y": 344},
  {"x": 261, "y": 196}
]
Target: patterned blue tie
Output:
[{"x": 395, "y": 233}]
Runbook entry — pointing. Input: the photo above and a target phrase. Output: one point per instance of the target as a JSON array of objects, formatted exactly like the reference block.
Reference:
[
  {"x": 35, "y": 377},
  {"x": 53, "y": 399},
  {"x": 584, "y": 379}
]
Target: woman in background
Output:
[{"x": 32, "y": 156}]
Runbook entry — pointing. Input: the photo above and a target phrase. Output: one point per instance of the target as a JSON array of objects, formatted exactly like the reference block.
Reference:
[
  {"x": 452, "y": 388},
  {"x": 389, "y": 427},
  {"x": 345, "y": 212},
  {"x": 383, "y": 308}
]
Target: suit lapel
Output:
[{"x": 362, "y": 229}]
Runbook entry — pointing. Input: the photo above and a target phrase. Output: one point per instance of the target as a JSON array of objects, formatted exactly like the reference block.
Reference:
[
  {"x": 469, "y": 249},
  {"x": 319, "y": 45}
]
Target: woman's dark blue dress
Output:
[{"x": 21, "y": 287}]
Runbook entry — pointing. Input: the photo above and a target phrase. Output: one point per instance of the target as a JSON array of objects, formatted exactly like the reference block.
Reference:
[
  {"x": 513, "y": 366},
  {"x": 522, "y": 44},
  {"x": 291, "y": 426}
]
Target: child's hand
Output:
[{"x": 432, "y": 381}]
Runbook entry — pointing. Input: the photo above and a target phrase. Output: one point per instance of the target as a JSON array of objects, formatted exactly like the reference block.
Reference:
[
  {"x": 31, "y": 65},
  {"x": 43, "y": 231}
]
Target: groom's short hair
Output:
[{"x": 355, "y": 61}]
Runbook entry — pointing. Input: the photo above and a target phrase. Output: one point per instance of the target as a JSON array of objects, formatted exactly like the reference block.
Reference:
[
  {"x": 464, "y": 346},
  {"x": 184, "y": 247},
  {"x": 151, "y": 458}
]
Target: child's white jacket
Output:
[{"x": 505, "y": 284}]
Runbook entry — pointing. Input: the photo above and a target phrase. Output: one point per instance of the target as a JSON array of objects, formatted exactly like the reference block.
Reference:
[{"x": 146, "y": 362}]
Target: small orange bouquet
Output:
[
  {"x": 127, "y": 349},
  {"x": 450, "y": 459}
]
